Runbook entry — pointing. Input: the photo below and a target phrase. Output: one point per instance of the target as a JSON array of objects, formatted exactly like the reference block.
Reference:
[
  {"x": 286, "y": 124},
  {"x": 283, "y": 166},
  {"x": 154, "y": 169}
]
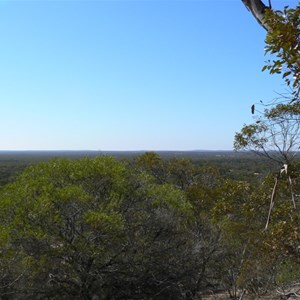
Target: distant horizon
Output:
[{"x": 91, "y": 150}]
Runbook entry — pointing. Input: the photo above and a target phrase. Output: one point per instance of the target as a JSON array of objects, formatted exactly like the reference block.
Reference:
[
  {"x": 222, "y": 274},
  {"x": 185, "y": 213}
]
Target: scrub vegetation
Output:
[{"x": 148, "y": 226}]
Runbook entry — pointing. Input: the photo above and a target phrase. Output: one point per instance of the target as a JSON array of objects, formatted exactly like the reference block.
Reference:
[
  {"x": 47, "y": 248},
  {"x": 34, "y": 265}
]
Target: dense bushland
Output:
[{"x": 98, "y": 228}]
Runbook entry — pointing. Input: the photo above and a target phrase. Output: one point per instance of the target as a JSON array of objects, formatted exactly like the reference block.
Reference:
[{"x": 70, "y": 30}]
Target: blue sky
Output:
[{"x": 129, "y": 75}]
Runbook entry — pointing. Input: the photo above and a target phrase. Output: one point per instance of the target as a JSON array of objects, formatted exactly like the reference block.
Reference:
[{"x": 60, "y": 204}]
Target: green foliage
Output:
[
  {"x": 153, "y": 164},
  {"x": 95, "y": 227},
  {"x": 150, "y": 228},
  {"x": 288, "y": 272},
  {"x": 276, "y": 133},
  {"x": 283, "y": 41},
  {"x": 251, "y": 136}
]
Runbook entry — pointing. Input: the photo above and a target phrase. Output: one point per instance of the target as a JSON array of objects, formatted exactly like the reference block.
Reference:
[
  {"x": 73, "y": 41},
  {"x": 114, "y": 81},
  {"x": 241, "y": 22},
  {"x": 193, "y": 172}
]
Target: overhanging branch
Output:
[{"x": 258, "y": 9}]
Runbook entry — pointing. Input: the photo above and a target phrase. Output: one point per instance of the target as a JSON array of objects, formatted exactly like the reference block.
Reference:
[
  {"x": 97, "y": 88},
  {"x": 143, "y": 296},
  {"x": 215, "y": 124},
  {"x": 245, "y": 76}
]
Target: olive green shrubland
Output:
[
  {"x": 99, "y": 228},
  {"x": 152, "y": 228}
]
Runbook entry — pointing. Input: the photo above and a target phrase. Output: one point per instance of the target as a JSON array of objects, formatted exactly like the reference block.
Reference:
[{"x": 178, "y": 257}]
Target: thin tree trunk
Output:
[{"x": 272, "y": 202}]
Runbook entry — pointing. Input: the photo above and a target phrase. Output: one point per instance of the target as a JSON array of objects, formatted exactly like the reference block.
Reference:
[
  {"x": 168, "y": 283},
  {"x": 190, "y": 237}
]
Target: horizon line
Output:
[{"x": 100, "y": 150}]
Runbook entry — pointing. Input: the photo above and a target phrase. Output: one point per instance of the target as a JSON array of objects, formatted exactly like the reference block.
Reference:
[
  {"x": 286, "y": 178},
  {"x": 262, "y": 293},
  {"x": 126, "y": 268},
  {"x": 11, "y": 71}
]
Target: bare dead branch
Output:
[
  {"x": 292, "y": 192},
  {"x": 272, "y": 202}
]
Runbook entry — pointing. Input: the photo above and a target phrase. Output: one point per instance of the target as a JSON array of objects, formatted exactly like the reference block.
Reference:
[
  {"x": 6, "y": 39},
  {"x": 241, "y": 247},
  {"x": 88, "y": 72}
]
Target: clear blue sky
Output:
[{"x": 129, "y": 75}]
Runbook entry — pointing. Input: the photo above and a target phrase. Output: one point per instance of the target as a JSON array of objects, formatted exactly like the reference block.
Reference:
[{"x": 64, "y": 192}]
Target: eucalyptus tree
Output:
[
  {"x": 275, "y": 133},
  {"x": 282, "y": 41}
]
